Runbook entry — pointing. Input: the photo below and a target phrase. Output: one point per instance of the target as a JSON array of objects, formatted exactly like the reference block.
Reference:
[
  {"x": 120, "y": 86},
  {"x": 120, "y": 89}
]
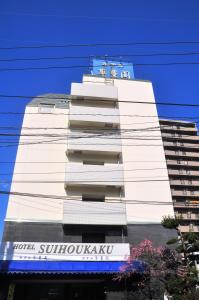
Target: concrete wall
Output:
[{"x": 36, "y": 154}]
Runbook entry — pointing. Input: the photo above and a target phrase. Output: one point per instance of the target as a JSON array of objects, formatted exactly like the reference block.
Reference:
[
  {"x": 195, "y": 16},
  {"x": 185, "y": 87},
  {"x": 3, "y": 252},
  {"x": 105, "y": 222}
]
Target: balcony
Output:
[
  {"x": 85, "y": 114},
  {"x": 187, "y": 216},
  {"x": 182, "y": 153},
  {"x": 178, "y": 145},
  {"x": 180, "y": 137},
  {"x": 179, "y": 129},
  {"x": 188, "y": 228},
  {"x": 94, "y": 91},
  {"x": 184, "y": 193},
  {"x": 183, "y": 163},
  {"x": 94, "y": 213},
  {"x": 181, "y": 172},
  {"x": 94, "y": 142},
  {"x": 187, "y": 205},
  {"x": 78, "y": 174},
  {"x": 183, "y": 182}
]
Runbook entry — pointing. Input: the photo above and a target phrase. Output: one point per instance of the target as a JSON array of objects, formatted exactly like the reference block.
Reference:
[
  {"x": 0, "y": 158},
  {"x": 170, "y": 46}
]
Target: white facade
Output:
[
  {"x": 40, "y": 162},
  {"x": 78, "y": 161}
]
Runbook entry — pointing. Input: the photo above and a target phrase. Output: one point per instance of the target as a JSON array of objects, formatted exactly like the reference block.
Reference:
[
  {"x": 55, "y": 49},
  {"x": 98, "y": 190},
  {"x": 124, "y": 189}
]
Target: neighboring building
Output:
[
  {"x": 88, "y": 181},
  {"x": 181, "y": 144}
]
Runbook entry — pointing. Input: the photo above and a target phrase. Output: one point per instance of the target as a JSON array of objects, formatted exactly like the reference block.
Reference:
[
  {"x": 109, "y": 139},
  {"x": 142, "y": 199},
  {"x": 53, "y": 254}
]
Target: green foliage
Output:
[
  {"x": 170, "y": 222},
  {"x": 190, "y": 237},
  {"x": 180, "y": 248}
]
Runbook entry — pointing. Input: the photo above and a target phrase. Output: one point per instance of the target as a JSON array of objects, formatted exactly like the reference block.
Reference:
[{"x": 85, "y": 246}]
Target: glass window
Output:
[{"x": 93, "y": 237}]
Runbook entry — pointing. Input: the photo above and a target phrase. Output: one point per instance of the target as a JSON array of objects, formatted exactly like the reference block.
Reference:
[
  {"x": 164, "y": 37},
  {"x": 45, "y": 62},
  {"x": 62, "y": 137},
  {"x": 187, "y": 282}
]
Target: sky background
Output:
[{"x": 62, "y": 22}]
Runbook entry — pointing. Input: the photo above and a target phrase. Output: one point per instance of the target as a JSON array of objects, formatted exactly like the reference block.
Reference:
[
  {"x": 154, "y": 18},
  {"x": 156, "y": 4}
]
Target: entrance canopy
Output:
[{"x": 26, "y": 266}]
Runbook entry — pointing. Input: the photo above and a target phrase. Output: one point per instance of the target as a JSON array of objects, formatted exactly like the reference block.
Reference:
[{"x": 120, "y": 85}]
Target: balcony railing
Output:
[
  {"x": 84, "y": 114},
  {"x": 94, "y": 213},
  {"x": 101, "y": 142},
  {"x": 94, "y": 91},
  {"x": 188, "y": 228},
  {"x": 96, "y": 175}
]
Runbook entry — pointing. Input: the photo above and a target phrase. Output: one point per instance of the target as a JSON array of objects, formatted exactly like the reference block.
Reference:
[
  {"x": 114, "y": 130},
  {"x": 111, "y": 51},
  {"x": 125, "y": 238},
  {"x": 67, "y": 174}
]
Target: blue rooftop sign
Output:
[{"x": 112, "y": 69}]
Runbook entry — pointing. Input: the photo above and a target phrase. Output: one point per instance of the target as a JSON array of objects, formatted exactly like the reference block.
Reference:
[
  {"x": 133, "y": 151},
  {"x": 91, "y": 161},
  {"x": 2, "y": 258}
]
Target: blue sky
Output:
[{"x": 63, "y": 22}]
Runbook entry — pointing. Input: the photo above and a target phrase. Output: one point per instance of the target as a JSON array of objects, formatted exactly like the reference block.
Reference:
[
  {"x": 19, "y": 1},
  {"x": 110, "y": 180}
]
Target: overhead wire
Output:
[
  {"x": 103, "y": 100},
  {"x": 100, "y": 56},
  {"x": 68, "y": 198},
  {"x": 68, "y": 45},
  {"x": 87, "y": 66}
]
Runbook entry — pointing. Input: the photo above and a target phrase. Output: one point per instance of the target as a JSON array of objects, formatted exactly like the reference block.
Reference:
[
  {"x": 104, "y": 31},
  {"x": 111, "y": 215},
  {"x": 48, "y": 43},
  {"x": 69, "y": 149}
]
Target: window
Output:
[
  {"x": 90, "y": 162},
  {"x": 93, "y": 237},
  {"x": 94, "y": 198},
  {"x": 190, "y": 227},
  {"x": 178, "y": 161}
]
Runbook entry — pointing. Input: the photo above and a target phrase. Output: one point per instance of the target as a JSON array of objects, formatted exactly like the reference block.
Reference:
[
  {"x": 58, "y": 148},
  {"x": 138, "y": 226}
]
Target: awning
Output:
[{"x": 26, "y": 266}]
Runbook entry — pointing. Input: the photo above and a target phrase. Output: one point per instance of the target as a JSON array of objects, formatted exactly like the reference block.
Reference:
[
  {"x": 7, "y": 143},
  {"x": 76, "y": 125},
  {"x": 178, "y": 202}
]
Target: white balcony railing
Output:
[
  {"x": 84, "y": 114},
  {"x": 101, "y": 142},
  {"x": 97, "y": 175},
  {"x": 94, "y": 213},
  {"x": 94, "y": 91}
]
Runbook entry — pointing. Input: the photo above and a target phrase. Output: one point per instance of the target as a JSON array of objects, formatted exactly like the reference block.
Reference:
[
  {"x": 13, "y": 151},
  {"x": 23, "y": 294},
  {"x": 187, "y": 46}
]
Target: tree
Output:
[{"x": 160, "y": 269}]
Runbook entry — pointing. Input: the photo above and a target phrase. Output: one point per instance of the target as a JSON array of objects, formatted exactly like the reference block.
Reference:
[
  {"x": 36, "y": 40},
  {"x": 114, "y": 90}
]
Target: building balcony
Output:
[
  {"x": 94, "y": 142},
  {"x": 182, "y": 163},
  {"x": 186, "y": 204},
  {"x": 187, "y": 216},
  {"x": 189, "y": 228},
  {"x": 183, "y": 182},
  {"x": 94, "y": 213},
  {"x": 78, "y": 174},
  {"x": 180, "y": 137},
  {"x": 182, "y": 153},
  {"x": 178, "y": 128},
  {"x": 179, "y": 145},
  {"x": 182, "y": 172},
  {"x": 184, "y": 193},
  {"x": 85, "y": 114},
  {"x": 94, "y": 91}
]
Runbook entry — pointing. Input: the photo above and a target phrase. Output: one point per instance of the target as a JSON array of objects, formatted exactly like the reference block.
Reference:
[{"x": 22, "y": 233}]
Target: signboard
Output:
[
  {"x": 64, "y": 251},
  {"x": 112, "y": 69}
]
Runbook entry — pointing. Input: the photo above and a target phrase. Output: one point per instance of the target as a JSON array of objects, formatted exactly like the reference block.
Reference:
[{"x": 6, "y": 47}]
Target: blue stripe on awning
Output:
[{"x": 24, "y": 266}]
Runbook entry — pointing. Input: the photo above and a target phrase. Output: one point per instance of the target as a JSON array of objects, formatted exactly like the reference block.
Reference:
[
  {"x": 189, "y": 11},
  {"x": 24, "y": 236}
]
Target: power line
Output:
[
  {"x": 119, "y": 56},
  {"x": 99, "y": 45},
  {"x": 86, "y": 66},
  {"x": 81, "y": 181},
  {"x": 67, "y": 198},
  {"x": 89, "y": 171},
  {"x": 102, "y": 100},
  {"x": 62, "y": 162}
]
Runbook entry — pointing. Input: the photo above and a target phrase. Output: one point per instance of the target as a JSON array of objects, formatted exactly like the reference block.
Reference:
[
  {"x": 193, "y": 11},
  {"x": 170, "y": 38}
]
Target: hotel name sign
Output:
[{"x": 64, "y": 251}]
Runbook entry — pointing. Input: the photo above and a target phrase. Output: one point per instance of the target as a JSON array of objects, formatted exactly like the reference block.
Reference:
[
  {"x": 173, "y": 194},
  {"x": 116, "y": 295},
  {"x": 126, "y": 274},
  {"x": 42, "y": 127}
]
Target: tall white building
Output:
[{"x": 90, "y": 172}]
